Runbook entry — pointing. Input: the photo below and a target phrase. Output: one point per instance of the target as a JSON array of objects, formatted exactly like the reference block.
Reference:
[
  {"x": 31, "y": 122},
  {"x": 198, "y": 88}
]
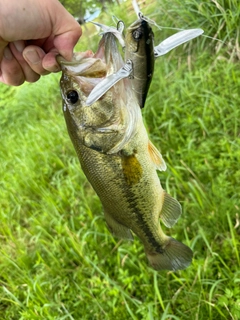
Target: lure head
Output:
[{"x": 139, "y": 37}]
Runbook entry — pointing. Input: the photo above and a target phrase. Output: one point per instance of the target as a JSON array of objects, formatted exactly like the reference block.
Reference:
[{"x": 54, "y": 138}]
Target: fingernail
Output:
[
  {"x": 19, "y": 45},
  {"x": 56, "y": 68},
  {"x": 7, "y": 54},
  {"x": 32, "y": 56},
  {"x": 53, "y": 68}
]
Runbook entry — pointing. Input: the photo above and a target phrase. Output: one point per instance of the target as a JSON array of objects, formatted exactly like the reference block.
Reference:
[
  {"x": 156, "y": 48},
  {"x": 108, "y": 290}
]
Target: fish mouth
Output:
[
  {"x": 87, "y": 69},
  {"x": 84, "y": 71},
  {"x": 78, "y": 56},
  {"x": 85, "y": 64},
  {"x": 107, "y": 59}
]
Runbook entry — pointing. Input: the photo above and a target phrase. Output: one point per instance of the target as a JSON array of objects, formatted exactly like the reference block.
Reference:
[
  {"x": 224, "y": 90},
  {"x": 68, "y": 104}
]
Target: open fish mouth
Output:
[
  {"x": 85, "y": 64},
  {"x": 86, "y": 69},
  {"x": 90, "y": 68}
]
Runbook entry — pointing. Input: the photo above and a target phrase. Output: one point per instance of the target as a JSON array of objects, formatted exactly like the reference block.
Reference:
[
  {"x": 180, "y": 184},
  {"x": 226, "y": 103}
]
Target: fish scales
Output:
[
  {"x": 132, "y": 198},
  {"x": 118, "y": 159}
]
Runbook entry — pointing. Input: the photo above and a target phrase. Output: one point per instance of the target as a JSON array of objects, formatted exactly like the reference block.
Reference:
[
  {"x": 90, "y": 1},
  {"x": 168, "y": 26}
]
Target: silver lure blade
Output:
[
  {"x": 103, "y": 86},
  {"x": 176, "y": 40}
]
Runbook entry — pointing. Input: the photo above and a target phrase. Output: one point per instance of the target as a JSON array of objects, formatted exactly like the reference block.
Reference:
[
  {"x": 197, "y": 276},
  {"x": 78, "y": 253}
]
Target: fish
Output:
[{"x": 117, "y": 157}]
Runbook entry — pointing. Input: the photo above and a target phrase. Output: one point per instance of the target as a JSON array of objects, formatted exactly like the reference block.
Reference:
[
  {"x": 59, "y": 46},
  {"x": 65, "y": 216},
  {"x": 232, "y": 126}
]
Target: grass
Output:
[{"x": 57, "y": 259}]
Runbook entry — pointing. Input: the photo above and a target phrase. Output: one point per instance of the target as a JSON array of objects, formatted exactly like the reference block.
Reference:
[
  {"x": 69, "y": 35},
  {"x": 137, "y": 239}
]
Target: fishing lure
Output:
[{"x": 134, "y": 59}]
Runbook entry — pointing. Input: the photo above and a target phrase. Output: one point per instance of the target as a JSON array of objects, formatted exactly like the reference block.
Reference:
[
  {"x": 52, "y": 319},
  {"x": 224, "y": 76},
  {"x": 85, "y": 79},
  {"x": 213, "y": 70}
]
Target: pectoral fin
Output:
[
  {"x": 171, "y": 210},
  {"x": 156, "y": 157},
  {"x": 117, "y": 229}
]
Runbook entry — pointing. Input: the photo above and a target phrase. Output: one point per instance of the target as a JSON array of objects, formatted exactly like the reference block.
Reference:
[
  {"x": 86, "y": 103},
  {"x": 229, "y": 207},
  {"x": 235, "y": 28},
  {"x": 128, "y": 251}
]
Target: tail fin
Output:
[{"x": 173, "y": 255}]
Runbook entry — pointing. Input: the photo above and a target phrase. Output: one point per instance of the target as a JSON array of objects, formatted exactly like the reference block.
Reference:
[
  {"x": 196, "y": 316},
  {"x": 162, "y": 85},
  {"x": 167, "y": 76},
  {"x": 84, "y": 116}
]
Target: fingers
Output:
[
  {"x": 47, "y": 30},
  {"x": 20, "y": 63},
  {"x": 11, "y": 72},
  {"x": 33, "y": 56},
  {"x": 65, "y": 43},
  {"x": 14, "y": 69},
  {"x": 66, "y": 31},
  {"x": 30, "y": 74},
  {"x": 49, "y": 62}
]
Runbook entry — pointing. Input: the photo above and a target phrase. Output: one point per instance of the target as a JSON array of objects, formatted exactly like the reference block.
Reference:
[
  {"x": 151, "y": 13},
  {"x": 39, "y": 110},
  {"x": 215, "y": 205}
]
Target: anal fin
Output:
[
  {"x": 171, "y": 210},
  {"x": 117, "y": 229}
]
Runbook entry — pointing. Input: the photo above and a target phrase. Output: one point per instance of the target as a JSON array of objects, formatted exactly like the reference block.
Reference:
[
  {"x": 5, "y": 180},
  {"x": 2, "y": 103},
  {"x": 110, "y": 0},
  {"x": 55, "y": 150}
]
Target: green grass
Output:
[{"x": 57, "y": 259}]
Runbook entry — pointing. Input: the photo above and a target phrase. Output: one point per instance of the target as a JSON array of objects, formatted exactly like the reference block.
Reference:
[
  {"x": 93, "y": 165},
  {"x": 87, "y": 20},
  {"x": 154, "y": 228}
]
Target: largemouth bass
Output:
[{"x": 117, "y": 157}]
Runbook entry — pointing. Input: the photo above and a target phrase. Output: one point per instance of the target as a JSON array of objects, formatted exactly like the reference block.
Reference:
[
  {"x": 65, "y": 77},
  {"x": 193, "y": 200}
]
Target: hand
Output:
[{"x": 32, "y": 33}]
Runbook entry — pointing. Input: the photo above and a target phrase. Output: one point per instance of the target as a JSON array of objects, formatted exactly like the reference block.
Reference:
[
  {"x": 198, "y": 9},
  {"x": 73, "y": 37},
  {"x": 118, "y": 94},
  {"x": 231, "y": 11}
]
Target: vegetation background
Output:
[{"x": 57, "y": 259}]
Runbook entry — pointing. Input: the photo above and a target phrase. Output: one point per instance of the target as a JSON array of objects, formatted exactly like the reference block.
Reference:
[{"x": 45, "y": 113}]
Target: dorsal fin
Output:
[
  {"x": 156, "y": 157},
  {"x": 171, "y": 210}
]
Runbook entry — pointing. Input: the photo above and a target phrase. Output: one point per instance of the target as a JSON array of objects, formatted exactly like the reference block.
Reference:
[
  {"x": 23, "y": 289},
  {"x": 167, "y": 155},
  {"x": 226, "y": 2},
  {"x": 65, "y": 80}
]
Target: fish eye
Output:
[{"x": 72, "y": 96}]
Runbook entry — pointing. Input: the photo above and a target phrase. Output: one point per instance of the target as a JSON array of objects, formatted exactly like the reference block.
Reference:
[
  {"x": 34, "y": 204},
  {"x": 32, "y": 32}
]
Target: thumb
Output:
[{"x": 64, "y": 43}]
